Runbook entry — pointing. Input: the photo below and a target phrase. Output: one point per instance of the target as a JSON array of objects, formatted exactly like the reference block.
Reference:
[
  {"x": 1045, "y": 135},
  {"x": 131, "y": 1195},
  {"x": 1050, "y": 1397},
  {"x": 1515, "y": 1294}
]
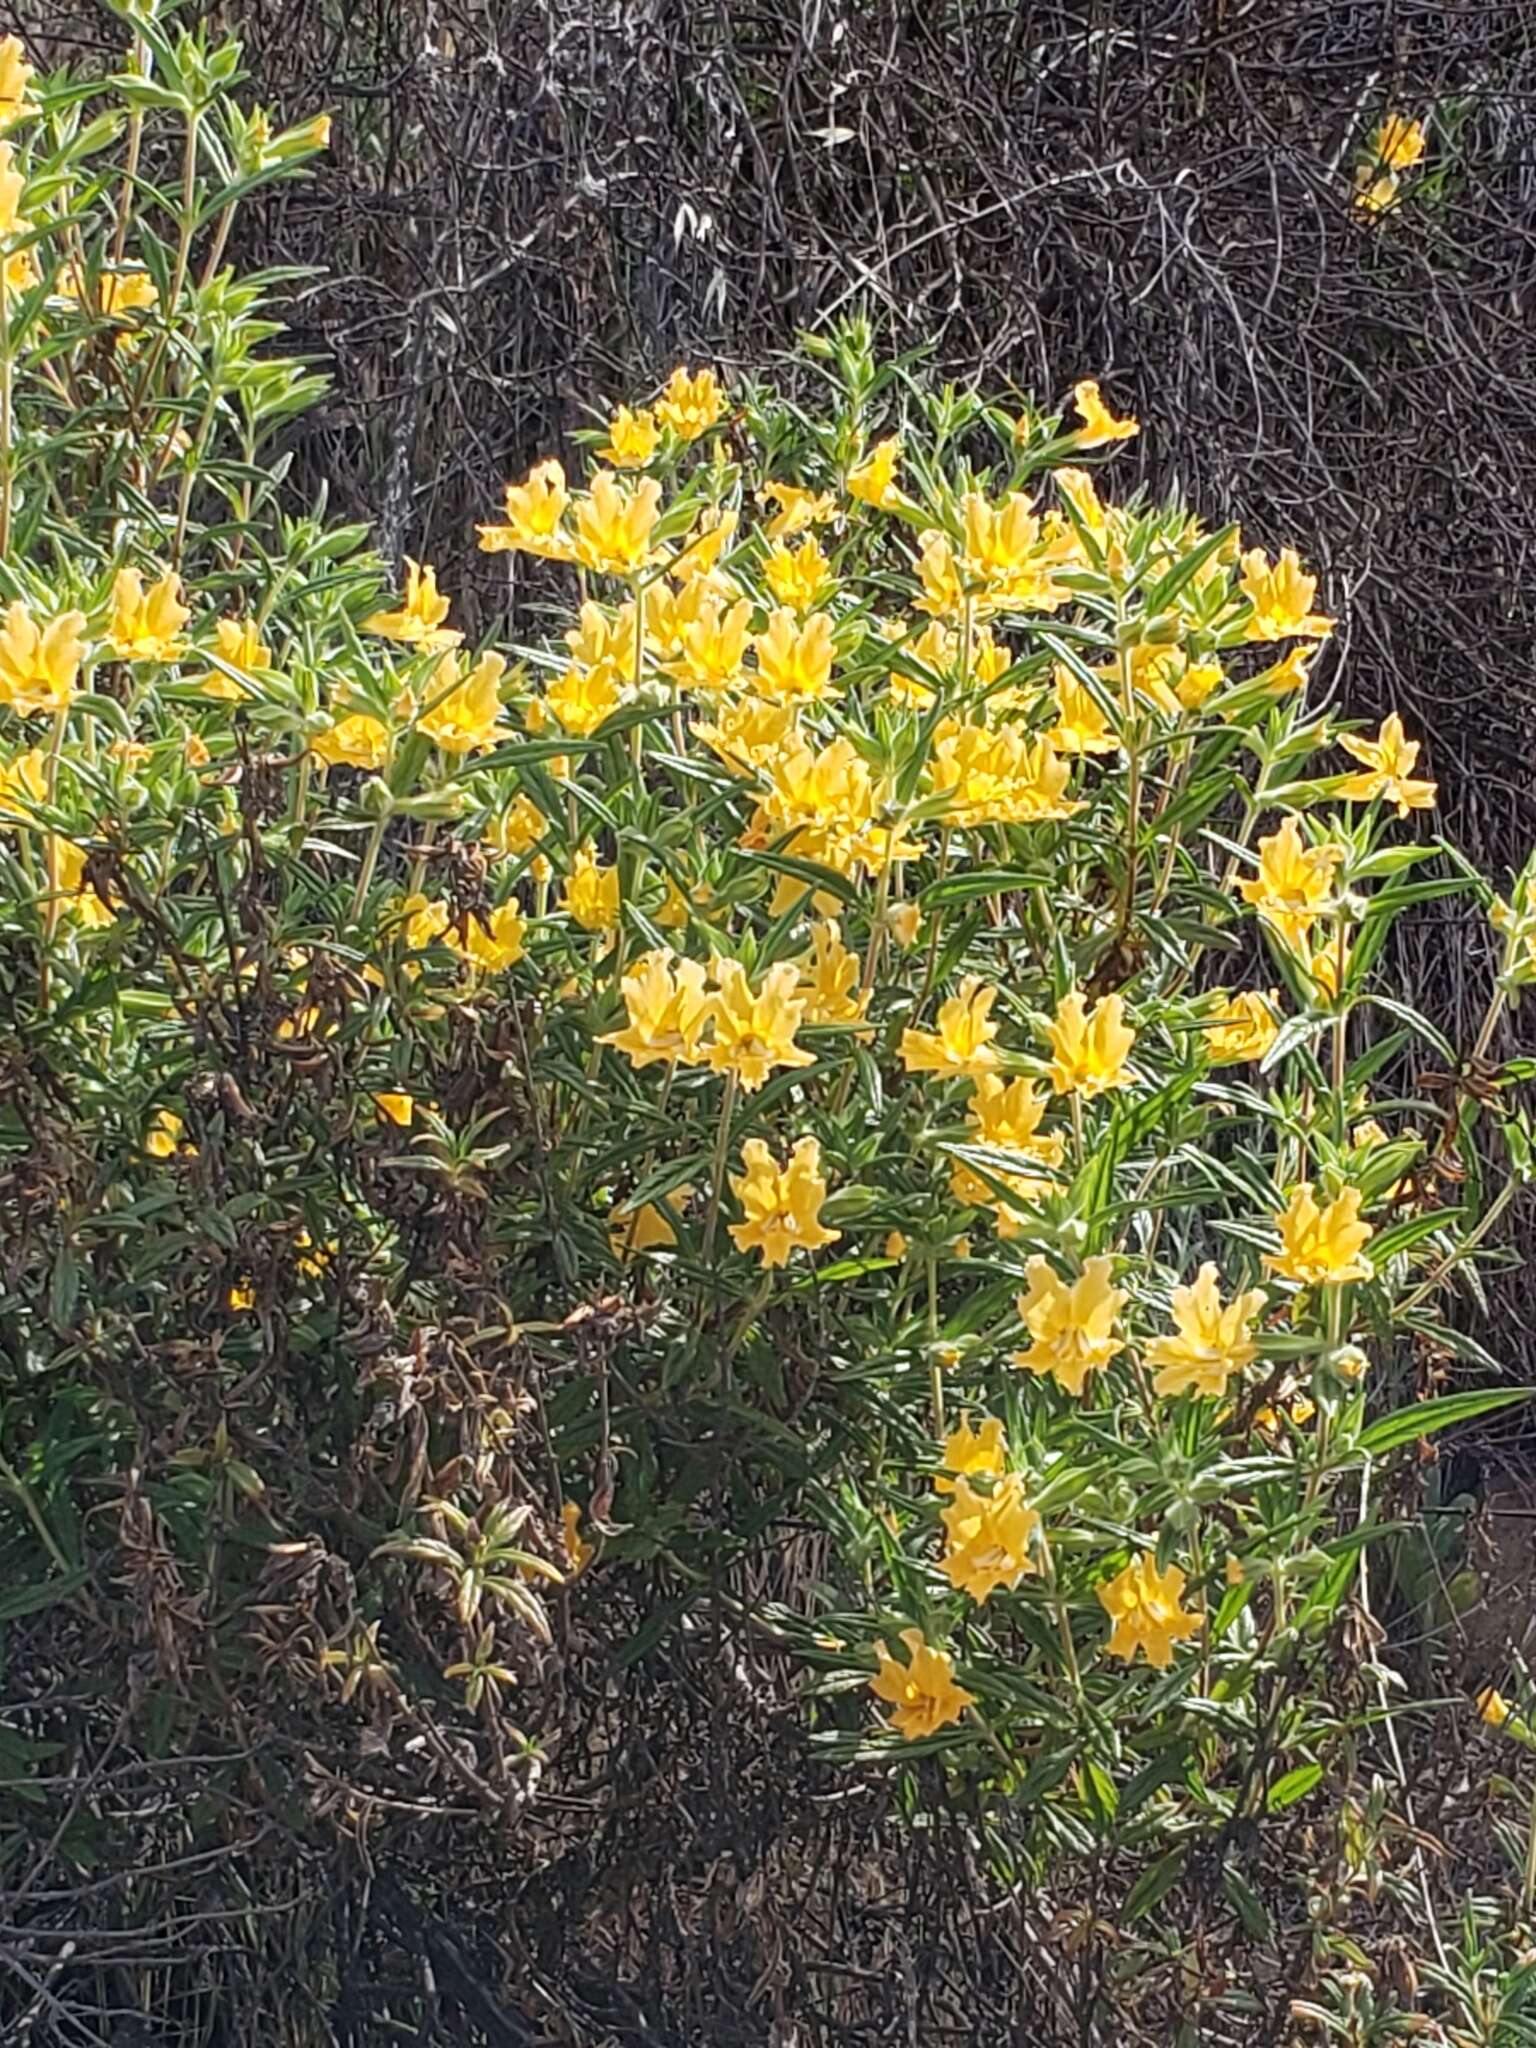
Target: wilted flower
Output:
[{"x": 781, "y": 1204}]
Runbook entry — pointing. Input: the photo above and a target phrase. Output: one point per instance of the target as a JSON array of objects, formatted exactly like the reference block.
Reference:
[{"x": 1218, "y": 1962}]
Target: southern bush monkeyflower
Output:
[
  {"x": 980, "y": 1453},
  {"x": 357, "y": 741},
  {"x": 896, "y": 1246},
  {"x": 464, "y": 711},
  {"x": 614, "y": 524},
  {"x": 1212, "y": 1342},
  {"x": 146, "y": 624},
  {"x": 39, "y": 665},
  {"x": 1241, "y": 1027},
  {"x": 963, "y": 1042},
  {"x": 418, "y": 621},
  {"x": 1144, "y": 1606},
  {"x": 1081, "y": 726},
  {"x": 591, "y": 894},
  {"x": 15, "y": 76},
  {"x": 782, "y": 1205},
  {"x": 904, "y": 921},
  {"x": 238, "y": 643},
  {"x": 922, "y": 1693},
  {"x": 797, "y": 576},
  {"x": 690, "y": 405},
  {"x": 1294, "y": 885},
  {"x": 1321, "y": 1247},
  {"x": 632, "y": 438},
  {"x": 650, "y": 1228},
  {"x": 395, "y": 1106},
  {"x": 1390, "y": 760},
  {"x": 750, "y": 733},
  {"x": 1398, "y": 143},
  {"x": 797, "y": 509},
  {"x": 163, "y": 1139},
  {"x": 23, "y": 782},
  {"x": 578, "y": 1553},
  {"x": 519, "y": 828},
  {"x": 1089, "y": 1049},
  {"x": 496, "y": 943},
  {"x": 1007, "y": 1118},
  {"x": 712, "y": 645},
  {"x": 830, "y": 978},
  {"x": 1493, "y": 1707},
  {"x": 81, "y": 900},
  {"x": 1071, "y": 1326},
  {"x": 585, "y": 698},
  {"x": 1099, "y": 424},
  {"x": 754, "y": 1028},
  {"x": 535, "y": 510},
  {"x": 989, "y": 1537},
  {"x": 999, "y": 775},
  {"x": 669, "y": 1007},
  {"x": 1281, "y": 595},
  {"x": 794, "y": 658},
  {"x": 873, "y": 481}
]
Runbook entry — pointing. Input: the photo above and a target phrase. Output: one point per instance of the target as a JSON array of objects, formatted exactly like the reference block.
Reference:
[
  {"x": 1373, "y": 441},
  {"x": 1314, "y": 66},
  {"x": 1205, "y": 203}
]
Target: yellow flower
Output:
[
  {"x": 1399, "y": 142},
  {"x": 999, "y": 775},
  {"x": 1281, "y": 595},
  {"x": 1376, "y": 195},
  {"x": 1143, "y": 1604},
  {"x": 943, "y": 593},
  {"x": 1390, "y": 759},
  {"x": 311, "y": 1259},
  {"x": 1321, "y": 1247},
  {"x": 421, "y": 922},
  {"x": 798, "y": 509},
  {"x": 241, "y": 1296},
  {"x": 146, "y": 624},
  {"x": 23, "y": 783},
  {"x": 963, "y": 1042},
  {"x": 614, "y": 524},
  {"x": 782, "y": 1205},
  {"x": 1007, "y": 1118},
  {"x": 419, "y": 621},
  {"x": 495, "y": 944},
  {"x": 1071, "y": 1327},
  {"x": 464, "y": 712},
  {"x": 394, "y": 1105},
  {"x": 989, "y": 1537},
  {"x": 163, "y": 1138},
  {"x": 117, "y": 294},
  {"x": 650, "y": 1228},
  {"x": 830, "y": 979},
  {"x": 755, "y": 1028},
  {"x": 605, "y": 640},
  {"x": 39, "y": 665},
  {"x": 794, "y": 659},
  {"x": 896, "y": 1246},
  {"x": 584, "y": 698},
  {"x": 873, "y": 481},
  {"x": 578, "y": 1553},
  {"x": 591, "y": 894},
  {"x": 921, "y": 1693},
  {"x": 1292, "y": 672},
  {"x": 713, "y": 644},
  {"x": 1081, "y": 726},
  {"x": 1081, "y": 493},
  {"x": 669, "y": 1008},
  {"x": 1099, "y": 423},
  {"x": 1242, "y": 1027},
  {"x": 519, "y": 828},
  {"x": 1294, "y": 885},
  {"x": 751, "y": 734},
  {"x": 632, "y": 438},
  {"x": 796, "y": 576},
  {"x": 688, "y": 405},
  {"x": 534, "y": 512},
  {"x": 1493, "y": 1706},
  {"x": 967, "y": 1452},
  {"x": 81, "y": 900},
  {"x": 1212, "y": 1343},
  {"x": 357, "y": 741},
  {"x": 703, "y": 551},
  {"x": 904, "y": 921},
  {"x": 15, "y": 75},
  {"x": 195, "y": 751},
  {"x": 238, "y": 642},
  {"x": 1089, "y": 1050}
]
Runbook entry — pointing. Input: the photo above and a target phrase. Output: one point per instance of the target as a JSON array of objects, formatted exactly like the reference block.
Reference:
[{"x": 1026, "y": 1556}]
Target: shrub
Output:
[{"x": 880, "y": 1016}]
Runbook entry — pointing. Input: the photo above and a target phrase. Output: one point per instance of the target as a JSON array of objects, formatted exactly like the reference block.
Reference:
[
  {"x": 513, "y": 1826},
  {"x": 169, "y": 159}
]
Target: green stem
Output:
[
  {"x": 366, "y": 871},
  {"x": 717, "y": 1170}
]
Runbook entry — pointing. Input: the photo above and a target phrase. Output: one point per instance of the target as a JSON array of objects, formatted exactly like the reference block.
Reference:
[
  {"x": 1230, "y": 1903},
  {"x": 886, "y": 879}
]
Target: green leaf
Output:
[
  {"x": 1294, "y": 1785},
  {"x": 1154, "y": 1884},
  {"x": 1425, "y": 1418},
  {"x": 32, "y": 1599}
]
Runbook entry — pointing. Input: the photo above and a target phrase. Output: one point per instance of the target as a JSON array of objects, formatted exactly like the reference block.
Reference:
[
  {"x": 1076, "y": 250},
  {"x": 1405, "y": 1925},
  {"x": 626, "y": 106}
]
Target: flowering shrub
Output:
[{"x": 879, "y": 1012}]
